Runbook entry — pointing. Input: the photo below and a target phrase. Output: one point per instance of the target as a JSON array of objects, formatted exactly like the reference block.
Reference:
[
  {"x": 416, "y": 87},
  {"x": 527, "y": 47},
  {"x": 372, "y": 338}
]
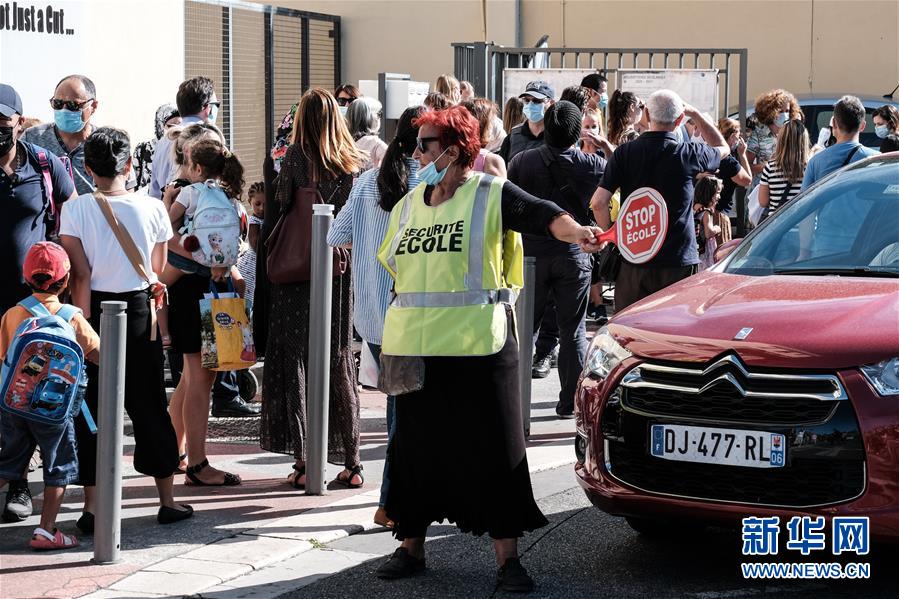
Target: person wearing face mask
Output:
[
  {"x": 599, "y": 91},
  {"x": 197, "y": 103},
  {"x": 537, "y": 97},
  {"x": 26, "y": 201},
  {"x": 886, "y": 127},
  {"x": 74, "y": 102},
  {"x": 346, "y": 94},
  {"x": 456, "y": 258},
  {"x": 773, "y": 109}
]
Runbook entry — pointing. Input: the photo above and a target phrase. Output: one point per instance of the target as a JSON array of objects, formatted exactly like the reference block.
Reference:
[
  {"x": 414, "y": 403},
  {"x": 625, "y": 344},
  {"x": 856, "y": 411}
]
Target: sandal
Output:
[
  {"x": 45, "y": 541},
  {"x": 179, "y": 469},
  {"x": 354, "y": 471},
  {"x": 231, "y": 480},
  {"x": 293, "y": 477}
]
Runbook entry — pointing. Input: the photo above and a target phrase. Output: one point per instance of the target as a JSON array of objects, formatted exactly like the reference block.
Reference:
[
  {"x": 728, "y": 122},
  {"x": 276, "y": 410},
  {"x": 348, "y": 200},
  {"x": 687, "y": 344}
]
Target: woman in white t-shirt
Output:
[
  {"x": 364, "y": 121},
  {"x": 101, "y": 271}
]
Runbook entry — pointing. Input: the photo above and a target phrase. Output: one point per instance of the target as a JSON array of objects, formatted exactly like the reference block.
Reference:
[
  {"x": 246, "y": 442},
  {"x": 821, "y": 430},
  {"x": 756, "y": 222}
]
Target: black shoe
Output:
[
  {"x": 400, "y": 565},
  {"x": 86, "y": 523},
  {"x": 541, "y": 367},
  {"x": 236, "y": 407},
  {"x": 513, "y": 578},
  {"x": 554, "y": 357},
  {"x": 170, "y": 515},
  {"x": 564, "y": 413},
  {"x": 18, "y": 501}
]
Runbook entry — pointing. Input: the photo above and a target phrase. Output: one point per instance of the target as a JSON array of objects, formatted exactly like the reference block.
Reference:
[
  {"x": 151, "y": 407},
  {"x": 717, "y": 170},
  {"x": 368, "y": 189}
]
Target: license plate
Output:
[{"x": 730, "y": 447}]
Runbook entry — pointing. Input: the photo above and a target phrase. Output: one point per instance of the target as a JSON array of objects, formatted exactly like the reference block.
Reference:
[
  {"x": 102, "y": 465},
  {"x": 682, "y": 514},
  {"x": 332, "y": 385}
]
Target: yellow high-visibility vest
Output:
[{"x": 455, "y": 271}]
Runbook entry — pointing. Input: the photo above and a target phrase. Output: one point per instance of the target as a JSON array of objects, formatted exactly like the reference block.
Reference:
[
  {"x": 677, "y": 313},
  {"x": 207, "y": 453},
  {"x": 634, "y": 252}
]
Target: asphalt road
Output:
[{"x": 586, "y": 553}]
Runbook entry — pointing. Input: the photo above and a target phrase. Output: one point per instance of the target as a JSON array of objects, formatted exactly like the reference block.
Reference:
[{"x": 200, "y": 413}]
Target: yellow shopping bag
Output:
[{"x": 226, "y": 331}]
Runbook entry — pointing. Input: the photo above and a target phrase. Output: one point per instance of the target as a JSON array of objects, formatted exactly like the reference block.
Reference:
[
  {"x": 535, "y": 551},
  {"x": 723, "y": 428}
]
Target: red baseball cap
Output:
[{"x": 46, "y": 258}]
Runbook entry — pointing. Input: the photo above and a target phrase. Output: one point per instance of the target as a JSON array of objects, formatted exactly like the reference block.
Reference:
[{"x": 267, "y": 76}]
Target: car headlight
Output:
[
  {"x": 884, "y": 376},
  {"x": 605, "y": 353}
]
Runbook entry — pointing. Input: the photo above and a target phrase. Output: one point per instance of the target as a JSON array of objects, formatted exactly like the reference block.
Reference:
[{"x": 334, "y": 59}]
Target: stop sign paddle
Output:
[{"x": 641, "y": 226}]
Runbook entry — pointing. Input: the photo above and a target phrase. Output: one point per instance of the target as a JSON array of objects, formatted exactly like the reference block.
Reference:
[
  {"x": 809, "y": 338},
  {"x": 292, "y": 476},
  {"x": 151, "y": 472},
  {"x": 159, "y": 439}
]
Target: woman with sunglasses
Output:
[
  {"x": 454, "y": 250},
  {"x": 625, "y": 111},
  {"x": 346, "y": 94},
  {"x": 321, "y": 155}
]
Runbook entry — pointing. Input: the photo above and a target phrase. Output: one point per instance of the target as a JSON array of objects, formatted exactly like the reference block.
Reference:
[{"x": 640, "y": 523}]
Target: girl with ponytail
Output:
[{"x": 363, "y": 223}]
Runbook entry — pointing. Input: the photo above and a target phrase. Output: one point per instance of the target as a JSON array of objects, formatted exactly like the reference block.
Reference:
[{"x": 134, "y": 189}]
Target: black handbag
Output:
[{"x": 608, "y": 263}]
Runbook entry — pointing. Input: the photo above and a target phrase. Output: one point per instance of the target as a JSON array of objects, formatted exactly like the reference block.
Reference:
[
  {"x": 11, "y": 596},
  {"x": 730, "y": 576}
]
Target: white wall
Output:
[{"x": 133, "y": 51}]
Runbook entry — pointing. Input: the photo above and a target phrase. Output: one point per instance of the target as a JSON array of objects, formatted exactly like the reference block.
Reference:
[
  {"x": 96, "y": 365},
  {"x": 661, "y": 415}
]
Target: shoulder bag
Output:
[
  {"x": 131, "y": 251},
  {"x": 289, "y": 246}
]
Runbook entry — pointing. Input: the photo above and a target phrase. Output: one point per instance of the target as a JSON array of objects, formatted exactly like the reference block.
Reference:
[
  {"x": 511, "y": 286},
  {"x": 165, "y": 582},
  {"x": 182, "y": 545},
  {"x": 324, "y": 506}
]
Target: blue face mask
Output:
[
  {"x": 429, "y": 173},
  {"x": 881, "y": 131},
  {"x": 68, "y": 121},
  {"x": 213, "y": 113},
  {"x": 534, "y": 111},
  {"x": 781, "y": 119},
  {"x": 603, "y": 100}
]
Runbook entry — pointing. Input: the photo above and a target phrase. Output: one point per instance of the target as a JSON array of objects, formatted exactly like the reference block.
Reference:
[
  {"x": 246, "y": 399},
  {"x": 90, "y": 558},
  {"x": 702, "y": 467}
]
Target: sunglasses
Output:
[
  {"x": 345, "y": 101},
  {"x": 68, "y": 104},
  {"x": 421, "y": 143}
]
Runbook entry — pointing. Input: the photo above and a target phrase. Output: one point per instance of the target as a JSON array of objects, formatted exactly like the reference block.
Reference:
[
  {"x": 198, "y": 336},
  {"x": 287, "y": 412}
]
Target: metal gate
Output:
[
  {"x": 482, "y": 64},
  {"x": 261, "y": 58}
]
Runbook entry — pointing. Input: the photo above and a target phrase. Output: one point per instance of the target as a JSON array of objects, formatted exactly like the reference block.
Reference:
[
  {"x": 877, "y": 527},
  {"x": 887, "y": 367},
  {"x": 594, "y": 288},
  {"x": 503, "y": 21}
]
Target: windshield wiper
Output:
[{"x": 858, "y": 271}]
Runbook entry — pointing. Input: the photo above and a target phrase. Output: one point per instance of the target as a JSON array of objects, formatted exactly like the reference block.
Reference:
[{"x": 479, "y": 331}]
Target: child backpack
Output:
[
  {"x": 43, "y": 376},
  {"x": 212, "y": 234},
  {"x": 700, "y": 230}
]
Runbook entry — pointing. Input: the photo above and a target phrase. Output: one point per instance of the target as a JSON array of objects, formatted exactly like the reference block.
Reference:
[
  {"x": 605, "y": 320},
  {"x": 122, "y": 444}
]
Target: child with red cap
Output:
[{"x": 46, "y": 270}]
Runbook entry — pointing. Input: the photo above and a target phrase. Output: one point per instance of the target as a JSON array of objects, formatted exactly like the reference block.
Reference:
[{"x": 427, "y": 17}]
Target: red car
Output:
[{"x": 767, "y": 385}]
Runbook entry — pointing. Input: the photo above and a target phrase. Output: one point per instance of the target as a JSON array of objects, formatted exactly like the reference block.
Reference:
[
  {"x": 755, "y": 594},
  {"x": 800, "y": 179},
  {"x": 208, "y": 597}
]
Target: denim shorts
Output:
[
  {"x": 187, "y": 265},
  {"x": 19, "y": 437}
]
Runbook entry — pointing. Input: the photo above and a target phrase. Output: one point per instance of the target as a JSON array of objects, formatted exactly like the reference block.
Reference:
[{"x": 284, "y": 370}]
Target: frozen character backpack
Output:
[
  {"x": 43, "y": 376},
  {"x": 212, "y": 234}
]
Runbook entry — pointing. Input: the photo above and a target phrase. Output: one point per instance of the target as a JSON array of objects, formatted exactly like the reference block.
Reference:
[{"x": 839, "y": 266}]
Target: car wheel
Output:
[{"x": 654, "y": 528}]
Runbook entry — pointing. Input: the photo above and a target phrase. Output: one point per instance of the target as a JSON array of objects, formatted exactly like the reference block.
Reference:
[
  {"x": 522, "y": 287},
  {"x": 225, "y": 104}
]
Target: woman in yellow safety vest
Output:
[{"x": 452, "y": 248}]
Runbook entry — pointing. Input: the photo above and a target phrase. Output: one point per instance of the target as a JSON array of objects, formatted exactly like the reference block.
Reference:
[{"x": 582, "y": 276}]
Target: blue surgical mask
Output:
[
  {"x": 429, "y": 173},
  {"x": 603, "y": 100},
  {"x": 881, "y": 131},
  {"x": 781, "y": 119},
  {"x": 534, "y": 111},
  {"x": 343, "y": 110},
  {"x": 213, "y": 113},
  {"x": 68, "y": 120}
]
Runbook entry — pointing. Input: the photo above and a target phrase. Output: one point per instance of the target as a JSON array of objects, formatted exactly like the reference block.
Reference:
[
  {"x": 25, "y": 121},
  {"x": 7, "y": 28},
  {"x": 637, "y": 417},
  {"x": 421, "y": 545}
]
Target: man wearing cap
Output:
[
  {"x": 657, "y": 159},
  {"x": 30, "y": 177},
  {"x": 559, "y": 171},
  {"x": 537, "y": 97}
]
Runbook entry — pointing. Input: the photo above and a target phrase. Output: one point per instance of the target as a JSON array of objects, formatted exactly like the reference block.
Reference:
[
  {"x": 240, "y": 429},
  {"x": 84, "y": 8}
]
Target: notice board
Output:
[{"x": 698, "y": 87}]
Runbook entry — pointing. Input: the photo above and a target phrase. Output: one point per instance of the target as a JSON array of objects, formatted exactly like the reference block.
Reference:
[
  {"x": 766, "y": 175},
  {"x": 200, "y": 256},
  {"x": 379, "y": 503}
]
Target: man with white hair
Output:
[{"x": 658, "y": 160}]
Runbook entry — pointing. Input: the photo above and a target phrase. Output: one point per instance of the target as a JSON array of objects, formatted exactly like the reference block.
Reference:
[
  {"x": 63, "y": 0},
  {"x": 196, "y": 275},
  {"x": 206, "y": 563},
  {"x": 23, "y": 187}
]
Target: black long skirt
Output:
[{"x": 458, "y": 451}]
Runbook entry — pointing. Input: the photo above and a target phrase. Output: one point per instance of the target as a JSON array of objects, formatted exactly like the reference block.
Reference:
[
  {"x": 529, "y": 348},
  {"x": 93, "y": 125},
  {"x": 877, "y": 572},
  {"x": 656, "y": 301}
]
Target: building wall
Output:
[{"x": 805, "y": 46}]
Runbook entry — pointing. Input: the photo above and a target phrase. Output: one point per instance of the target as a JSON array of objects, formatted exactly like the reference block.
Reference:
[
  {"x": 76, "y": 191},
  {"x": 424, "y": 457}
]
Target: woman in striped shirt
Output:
[
  {"x": 362, "y": 223},
  {"x": 782, "y": 177}
]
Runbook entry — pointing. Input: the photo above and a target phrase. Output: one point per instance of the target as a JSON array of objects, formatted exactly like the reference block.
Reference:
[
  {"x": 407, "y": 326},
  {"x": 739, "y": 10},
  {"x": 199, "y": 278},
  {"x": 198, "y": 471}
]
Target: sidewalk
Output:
[{"x": 236, "y": 531}]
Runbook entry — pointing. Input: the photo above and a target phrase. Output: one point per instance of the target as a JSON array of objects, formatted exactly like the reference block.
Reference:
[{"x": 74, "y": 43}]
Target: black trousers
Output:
[
  {"x": 566, "y": 278},
  {"x": 155, "y": 445},
  {"x": 548, "y": 336},
  {"x": 633, "y": 283}
]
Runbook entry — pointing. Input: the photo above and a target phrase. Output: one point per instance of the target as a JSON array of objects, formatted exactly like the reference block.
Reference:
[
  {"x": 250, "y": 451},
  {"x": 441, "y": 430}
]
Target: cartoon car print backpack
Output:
[
  {"x": 212, "y": 235},
  {"x": 43, "y": 376}
]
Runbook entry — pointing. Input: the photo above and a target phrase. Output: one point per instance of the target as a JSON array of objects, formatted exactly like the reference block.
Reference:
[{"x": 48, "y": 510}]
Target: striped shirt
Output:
[
  {"x": 778, "y": 185},
  {"x": 363, "y": 223}
]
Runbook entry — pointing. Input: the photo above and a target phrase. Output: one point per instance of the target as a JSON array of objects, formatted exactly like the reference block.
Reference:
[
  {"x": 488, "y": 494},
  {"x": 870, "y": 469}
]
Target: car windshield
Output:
[{"x": 848, "y": 225}]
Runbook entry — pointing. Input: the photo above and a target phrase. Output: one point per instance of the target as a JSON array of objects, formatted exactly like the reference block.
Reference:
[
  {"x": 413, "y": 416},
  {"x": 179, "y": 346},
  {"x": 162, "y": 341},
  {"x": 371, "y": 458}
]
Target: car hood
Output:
[{"x": 796, "y": 321}]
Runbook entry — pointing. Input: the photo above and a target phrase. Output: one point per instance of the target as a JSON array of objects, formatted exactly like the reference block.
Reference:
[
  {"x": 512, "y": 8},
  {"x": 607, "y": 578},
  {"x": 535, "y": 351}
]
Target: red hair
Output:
[{"x": 457, "y": 128}]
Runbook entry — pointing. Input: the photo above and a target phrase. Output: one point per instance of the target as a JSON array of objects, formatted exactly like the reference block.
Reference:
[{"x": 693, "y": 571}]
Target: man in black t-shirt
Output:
[
  {"x": 562, "y": 173},
  {"x": 657, "y": 160}
]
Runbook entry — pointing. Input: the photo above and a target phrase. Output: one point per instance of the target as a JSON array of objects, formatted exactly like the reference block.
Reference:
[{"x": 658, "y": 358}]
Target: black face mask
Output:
[{"x": 6, "y": 140}]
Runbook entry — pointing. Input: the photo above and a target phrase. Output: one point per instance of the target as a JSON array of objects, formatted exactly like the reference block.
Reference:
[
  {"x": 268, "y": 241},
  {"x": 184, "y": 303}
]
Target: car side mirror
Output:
[{"x": 724, "y": 250}]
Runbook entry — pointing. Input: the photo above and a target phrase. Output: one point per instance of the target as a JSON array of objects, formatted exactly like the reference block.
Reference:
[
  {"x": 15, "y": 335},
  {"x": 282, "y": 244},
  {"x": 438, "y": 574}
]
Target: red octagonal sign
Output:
[{"x": 642, "y": 225}]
